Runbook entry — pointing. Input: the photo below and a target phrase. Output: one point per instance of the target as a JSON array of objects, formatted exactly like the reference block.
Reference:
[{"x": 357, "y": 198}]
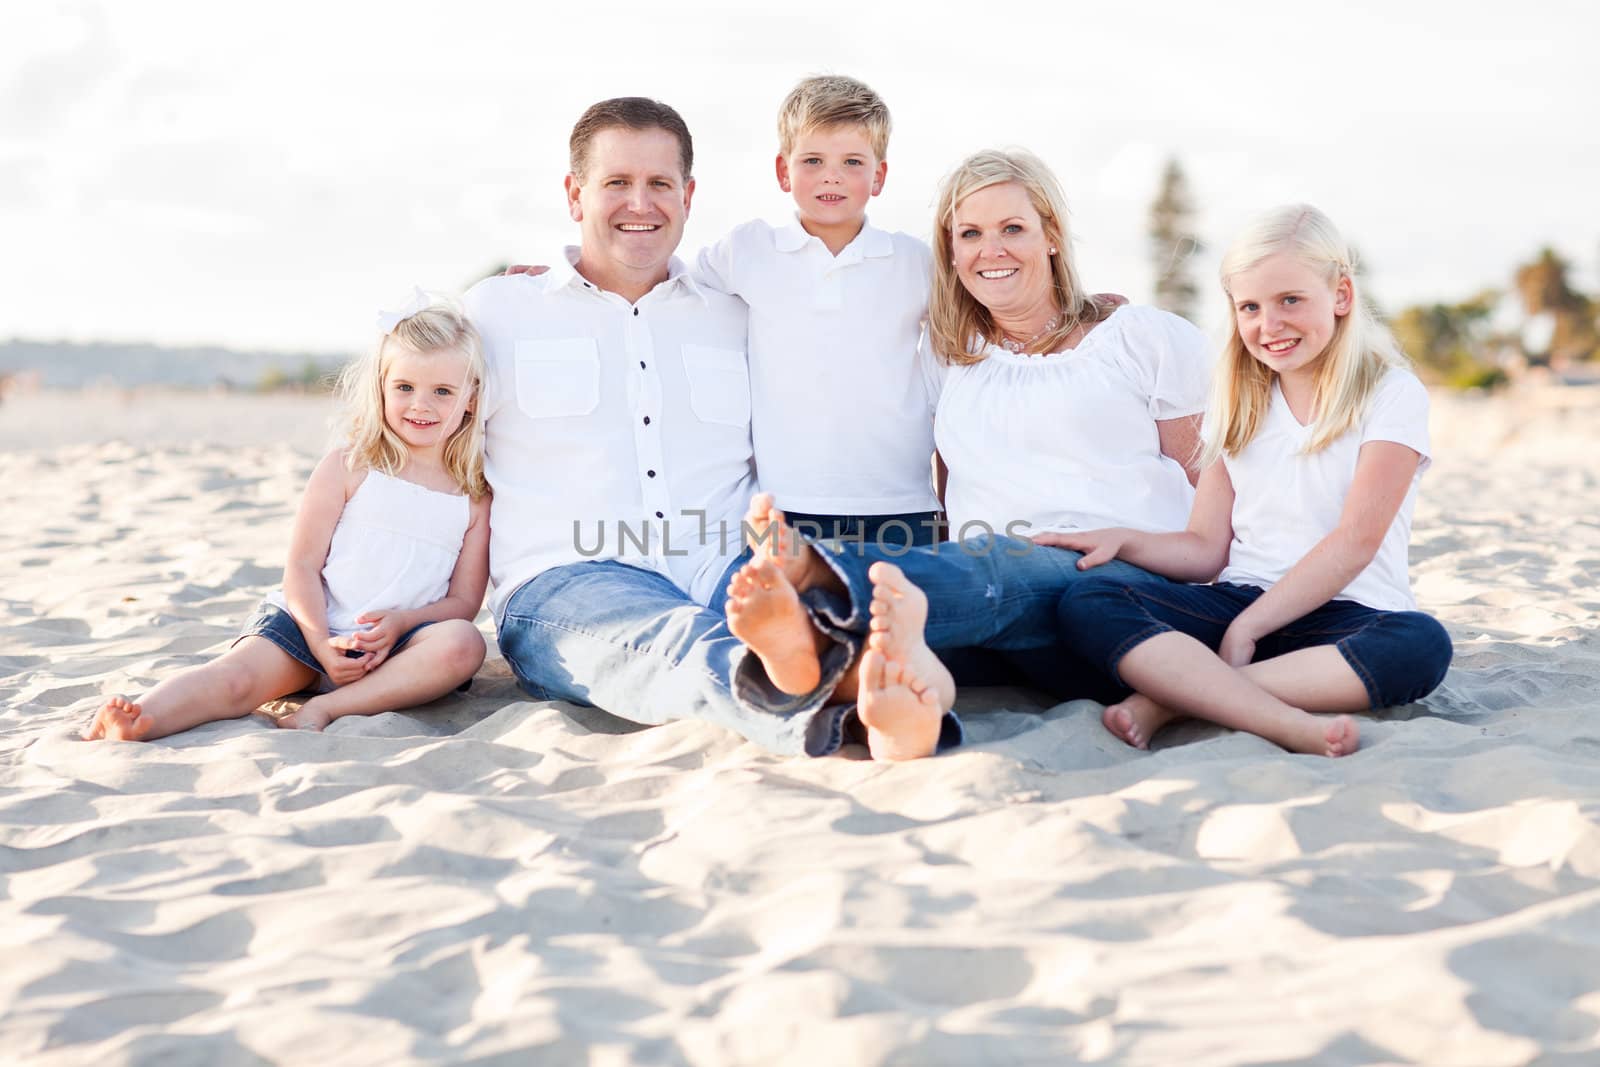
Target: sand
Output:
[{"x": 497, "y": 880}]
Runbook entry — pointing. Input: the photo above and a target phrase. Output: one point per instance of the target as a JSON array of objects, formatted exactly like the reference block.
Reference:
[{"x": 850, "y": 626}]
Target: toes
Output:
[
  {"x": 1119, "y": 720},
  {"x": 887, "y": 575},
  {"x": 1343, "y": 736}
]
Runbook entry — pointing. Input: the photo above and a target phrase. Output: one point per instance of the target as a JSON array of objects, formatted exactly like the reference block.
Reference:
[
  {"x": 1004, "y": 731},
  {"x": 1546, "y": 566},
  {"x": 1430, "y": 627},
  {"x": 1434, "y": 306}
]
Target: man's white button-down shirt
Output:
[
  {"x": 841, "y": 413},
  {"x": 613, "y": 430}
]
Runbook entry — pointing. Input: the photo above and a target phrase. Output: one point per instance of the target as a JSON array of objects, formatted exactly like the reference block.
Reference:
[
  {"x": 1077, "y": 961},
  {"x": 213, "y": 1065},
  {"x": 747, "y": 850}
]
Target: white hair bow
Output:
[{"x": 388, "y": 320}]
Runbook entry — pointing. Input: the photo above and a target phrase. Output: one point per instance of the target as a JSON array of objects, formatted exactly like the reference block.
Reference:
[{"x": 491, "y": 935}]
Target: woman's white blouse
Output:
[{"x": 1068, "y": 441}]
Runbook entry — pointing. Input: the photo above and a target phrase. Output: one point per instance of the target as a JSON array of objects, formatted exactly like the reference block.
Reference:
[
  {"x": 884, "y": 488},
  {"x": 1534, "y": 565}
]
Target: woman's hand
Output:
[{"x": 1097, "y": 546}]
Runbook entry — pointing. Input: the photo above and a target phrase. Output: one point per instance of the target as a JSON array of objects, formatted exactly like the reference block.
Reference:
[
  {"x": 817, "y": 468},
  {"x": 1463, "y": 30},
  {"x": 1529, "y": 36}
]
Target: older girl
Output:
[{"x": 1322, "y": 437}]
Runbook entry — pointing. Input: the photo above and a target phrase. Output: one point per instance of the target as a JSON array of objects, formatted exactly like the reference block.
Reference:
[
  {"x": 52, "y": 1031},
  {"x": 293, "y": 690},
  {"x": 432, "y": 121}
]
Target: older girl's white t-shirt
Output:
[
  {"x": 1068, "y": 441},
  {"x": 1286, "y": 501}
]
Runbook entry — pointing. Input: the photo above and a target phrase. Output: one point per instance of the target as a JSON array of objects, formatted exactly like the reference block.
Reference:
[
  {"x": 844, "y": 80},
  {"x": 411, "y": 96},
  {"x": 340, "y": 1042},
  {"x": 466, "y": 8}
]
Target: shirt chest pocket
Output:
[
  {"x": 719, "y": 384},
  {"x": 558, "y": 379}
]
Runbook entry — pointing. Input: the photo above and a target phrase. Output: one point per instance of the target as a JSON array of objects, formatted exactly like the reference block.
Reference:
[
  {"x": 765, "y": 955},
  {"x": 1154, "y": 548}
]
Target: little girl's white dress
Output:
[{"x": 394, "y": 549}]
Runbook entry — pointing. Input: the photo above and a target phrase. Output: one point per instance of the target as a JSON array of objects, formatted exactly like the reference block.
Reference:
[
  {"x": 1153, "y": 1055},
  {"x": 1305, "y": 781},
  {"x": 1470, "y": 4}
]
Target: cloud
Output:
[{"x": 70, "y": 57}]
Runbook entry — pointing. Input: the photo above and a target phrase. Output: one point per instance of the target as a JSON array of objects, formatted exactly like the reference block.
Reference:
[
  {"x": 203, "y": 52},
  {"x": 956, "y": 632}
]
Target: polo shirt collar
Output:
[
  {"x": 564, "y": 272},
  {"x": 872, "y": 242},
  {"x": 679, "y": 273}
]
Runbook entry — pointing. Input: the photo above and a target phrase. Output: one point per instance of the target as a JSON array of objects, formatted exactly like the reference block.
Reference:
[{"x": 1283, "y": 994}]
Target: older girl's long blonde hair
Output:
[
  {"x": 958, "y": 324},
  {"x": 369, "y": 442},
  {"x": 1360, "y": 352}
]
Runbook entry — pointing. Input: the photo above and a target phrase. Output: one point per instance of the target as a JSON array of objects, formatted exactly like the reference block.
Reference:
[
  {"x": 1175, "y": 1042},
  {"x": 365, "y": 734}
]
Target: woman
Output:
[{"x": 1050, "y": 414}]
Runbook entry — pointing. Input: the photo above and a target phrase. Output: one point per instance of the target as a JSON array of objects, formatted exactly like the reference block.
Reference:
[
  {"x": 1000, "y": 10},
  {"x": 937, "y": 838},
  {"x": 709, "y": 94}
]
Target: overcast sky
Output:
[{"x": 268, "y": 175}]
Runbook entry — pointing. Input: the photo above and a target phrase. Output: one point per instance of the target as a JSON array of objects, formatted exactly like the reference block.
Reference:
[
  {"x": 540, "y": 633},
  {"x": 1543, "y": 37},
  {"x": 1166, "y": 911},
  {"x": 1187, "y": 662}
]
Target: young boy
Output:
[{"x": 839, "y": 412}]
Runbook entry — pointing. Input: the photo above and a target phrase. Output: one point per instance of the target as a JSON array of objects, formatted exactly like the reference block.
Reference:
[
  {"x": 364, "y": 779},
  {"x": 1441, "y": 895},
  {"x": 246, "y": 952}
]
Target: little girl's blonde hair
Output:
[
  {"x": 369, "y": 442},
  {"x": 1360, "y": 352}
]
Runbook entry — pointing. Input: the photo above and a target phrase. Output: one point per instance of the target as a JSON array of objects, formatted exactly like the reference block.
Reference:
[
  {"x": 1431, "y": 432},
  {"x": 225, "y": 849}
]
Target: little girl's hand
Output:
[
  {"x": 383, "y": 629},
  {"x": 339, "y": 665}
]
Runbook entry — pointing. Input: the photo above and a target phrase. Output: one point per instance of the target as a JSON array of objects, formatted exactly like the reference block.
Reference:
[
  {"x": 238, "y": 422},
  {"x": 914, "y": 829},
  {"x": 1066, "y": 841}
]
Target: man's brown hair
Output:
[{"x": 634, "y": 113}]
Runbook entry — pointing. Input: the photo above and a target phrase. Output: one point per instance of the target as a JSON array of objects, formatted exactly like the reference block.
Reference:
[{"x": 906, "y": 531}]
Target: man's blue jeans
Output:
[{"x": 629, "y": 641}]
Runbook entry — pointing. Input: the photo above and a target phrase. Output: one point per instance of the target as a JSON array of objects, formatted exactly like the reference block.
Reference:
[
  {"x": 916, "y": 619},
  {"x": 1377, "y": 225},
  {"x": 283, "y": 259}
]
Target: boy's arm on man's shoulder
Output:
[{"x": 713, "y": 267}]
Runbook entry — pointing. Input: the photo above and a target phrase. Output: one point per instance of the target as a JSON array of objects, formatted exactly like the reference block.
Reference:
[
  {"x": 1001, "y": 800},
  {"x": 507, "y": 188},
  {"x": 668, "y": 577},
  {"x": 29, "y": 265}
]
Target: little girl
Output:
[
  {"x": 387, "y": 561},
  {"x": 1322, "y": 434}
]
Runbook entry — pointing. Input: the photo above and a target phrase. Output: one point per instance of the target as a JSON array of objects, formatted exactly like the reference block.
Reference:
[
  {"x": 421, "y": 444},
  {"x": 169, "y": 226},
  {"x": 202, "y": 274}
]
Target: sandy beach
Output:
[{"x": 495, "y": 880}]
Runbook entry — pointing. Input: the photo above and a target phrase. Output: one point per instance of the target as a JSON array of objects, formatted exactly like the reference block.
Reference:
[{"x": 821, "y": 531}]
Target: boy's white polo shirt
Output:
[
  {"x": 613, "y": 430},
  {"x": 841, "y": 413}
]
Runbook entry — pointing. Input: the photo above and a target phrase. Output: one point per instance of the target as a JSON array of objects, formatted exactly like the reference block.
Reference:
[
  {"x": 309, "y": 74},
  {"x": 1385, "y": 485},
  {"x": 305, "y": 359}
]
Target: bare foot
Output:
[
  {"x": 118, "y": 720},
  {"x": 308, "y": 717},
  {"x": 1342, "y": 735},
  {"x": 765, "y": 612},
  {"x": 1136, "y": 719},
  {"x": 900, "y": 710},
  {"x": 771, "y": 537},
  {"x": 899, "y": 613},
  {"x": 1316, "y": 735}
]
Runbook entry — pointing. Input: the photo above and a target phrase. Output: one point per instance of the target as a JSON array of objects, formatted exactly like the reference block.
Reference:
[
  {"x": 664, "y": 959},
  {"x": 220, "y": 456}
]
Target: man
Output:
[{"x": 619, "y": 451}]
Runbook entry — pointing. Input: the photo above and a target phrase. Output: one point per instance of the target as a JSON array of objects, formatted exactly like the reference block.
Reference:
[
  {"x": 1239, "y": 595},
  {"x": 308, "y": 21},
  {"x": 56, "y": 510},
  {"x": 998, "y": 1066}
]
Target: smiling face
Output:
[
  {"x": 832, "y": 172},
  {"x": 426, "y": 395},
  {"x": 1286, "y": 312},
  {"x": 631, "y": 207},
  {"x": 1001, "y": 251}
]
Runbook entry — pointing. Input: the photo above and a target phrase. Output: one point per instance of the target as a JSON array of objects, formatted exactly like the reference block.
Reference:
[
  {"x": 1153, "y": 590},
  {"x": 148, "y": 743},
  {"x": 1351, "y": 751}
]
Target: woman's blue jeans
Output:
[{"x": 992, "y": 608}]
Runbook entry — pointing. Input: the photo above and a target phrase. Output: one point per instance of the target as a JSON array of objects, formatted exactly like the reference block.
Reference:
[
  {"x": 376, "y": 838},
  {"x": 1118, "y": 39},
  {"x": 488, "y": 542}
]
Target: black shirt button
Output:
[
  {"x": 659, "y": 515},
  {"x": 647, "y": 420},
  {"x": 635, "y": 312},
  {"x": 641, "y": 364},
  {"x": 650, "y": 474}
]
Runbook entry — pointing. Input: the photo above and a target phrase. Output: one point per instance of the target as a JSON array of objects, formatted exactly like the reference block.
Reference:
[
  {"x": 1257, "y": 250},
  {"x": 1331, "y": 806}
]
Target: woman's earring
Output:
[{"x": 1052, "y": 250}]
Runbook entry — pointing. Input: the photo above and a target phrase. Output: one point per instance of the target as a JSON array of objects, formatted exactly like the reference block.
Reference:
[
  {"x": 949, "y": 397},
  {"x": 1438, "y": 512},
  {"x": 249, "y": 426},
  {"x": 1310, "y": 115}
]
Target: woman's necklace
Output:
[{"x": 1019, "y": 347}]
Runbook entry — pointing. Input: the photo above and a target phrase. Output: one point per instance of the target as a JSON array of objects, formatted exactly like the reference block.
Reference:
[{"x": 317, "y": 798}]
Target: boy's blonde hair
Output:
[
  {"x": 369, "y": 442},
  {"x": 826, "y": 100},
  {"x": 1360, "y": 352},
  {"x": 958, "y": 325}
]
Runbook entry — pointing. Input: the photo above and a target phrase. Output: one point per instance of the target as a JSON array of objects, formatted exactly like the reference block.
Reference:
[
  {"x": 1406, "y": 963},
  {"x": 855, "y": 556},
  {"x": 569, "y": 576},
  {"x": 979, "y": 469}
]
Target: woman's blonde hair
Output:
[
  {"x": 369, "y": 442},
  {"x": 958, "y": 325},
  {"x": 1358, "y": 355}
]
